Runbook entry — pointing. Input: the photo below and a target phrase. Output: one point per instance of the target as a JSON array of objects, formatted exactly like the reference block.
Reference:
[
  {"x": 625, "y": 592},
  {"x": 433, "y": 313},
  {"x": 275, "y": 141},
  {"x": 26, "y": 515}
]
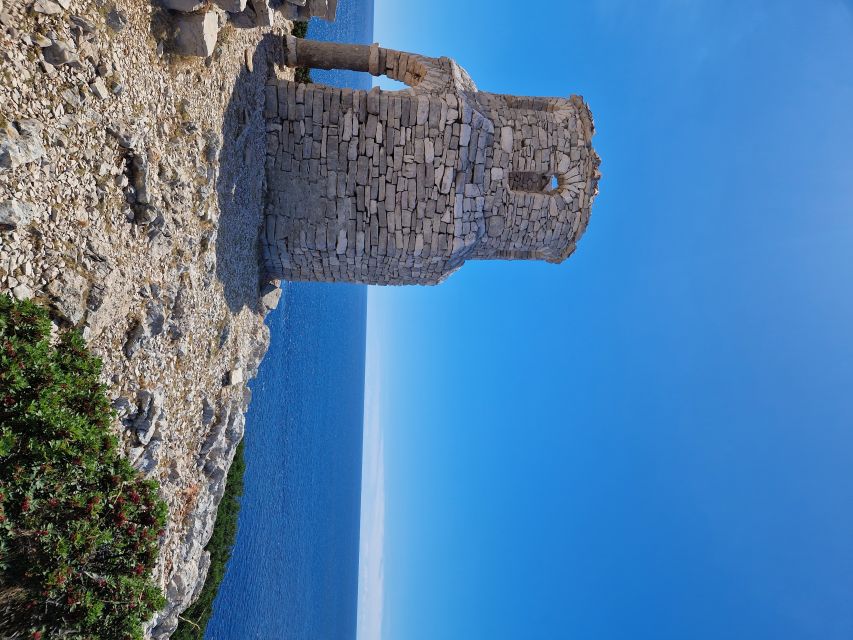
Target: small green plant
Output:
[
  {"x": 300, "y": 29},
  {"x": 303, "y": 74},
  {"x": 79, "y": 527},
  {"x": 194, "y": 620}
]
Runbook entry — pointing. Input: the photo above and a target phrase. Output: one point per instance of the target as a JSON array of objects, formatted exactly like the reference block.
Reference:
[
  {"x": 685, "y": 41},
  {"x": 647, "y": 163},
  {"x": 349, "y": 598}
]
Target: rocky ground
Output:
[{"x": 131, "y": 185}]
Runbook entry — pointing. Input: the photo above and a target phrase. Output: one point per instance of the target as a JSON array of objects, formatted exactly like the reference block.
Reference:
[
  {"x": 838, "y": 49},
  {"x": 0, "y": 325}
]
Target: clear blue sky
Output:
[{"x": 653, "y": 440}]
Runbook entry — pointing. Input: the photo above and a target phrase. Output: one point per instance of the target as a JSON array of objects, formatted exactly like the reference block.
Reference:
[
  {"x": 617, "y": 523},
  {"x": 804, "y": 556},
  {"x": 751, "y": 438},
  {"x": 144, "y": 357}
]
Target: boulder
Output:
[
  {"x": 231, "y": 6},
  {"x": 263, "y": 13},
  {"x": 138, "y": 174},
  {"x": 14, "y": 214},
  {"x": 22, "y": 292},
  {"x": 187, "y": 6},
  {"x": 134, "y": 340},
  {"x": 123, "y": 407},
  {"x": 270, "y": 296},
  {"x": 20, "y": 144},
  {"x": 195, "y": 34},
  {"x": 59, "y": 53},
  {"x": 150, "y": 458},
  {"x": 155, "y": 318},
  {"x": 149, "y": 415},
  {"x": 47, "y": 7},
  {"x": 116, "y": 19},
  {"x": 99, "y": 88},
  {"x": 84, "y": 24},
  {"x": 67, "y": 294},
  {"x": 208, "y": 413}
]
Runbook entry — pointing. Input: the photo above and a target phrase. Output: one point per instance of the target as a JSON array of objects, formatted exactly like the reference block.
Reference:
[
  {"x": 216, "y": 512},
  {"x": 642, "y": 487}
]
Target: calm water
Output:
[{"x": 293, "y": 574}]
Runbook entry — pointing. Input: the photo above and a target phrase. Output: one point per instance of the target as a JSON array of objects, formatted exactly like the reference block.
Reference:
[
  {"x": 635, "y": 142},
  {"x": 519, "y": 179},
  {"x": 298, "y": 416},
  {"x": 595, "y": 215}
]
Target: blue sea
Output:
[{"x": 293, "y": 574}]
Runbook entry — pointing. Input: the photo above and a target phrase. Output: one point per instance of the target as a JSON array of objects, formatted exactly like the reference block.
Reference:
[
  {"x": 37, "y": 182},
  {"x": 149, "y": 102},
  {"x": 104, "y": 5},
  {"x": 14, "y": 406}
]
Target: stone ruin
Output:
[
  {"x": 304, "y": 9},
  {"x": 402, "y": 187},
  {"x": 196, "y": 23}
]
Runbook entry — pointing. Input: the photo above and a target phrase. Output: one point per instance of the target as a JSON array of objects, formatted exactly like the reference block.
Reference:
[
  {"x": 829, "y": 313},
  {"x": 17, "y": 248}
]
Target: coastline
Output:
[{"x": 166, "y": 290}]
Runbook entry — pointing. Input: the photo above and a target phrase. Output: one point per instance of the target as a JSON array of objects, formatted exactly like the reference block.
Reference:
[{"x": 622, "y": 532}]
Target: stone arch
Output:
[{"x": 418, "y": 72}]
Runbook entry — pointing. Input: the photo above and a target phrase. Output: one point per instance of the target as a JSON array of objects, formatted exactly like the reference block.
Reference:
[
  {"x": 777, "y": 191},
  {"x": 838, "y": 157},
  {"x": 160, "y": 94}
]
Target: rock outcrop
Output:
[
  {"x": 195, "y": 24},
  {"x": 306, "y": 9},
  {"x": 118, "y": 209}
]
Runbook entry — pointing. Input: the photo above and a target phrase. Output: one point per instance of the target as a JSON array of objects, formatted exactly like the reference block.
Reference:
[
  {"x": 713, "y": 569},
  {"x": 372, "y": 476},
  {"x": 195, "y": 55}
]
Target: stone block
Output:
[
  {"x": 187, "y": 6},
  {"x": 263, "y": 13},
  {"x": 15, "y": 215},
  {"x": 195, "y": 34},
  {"x": 231, "y": 6}
]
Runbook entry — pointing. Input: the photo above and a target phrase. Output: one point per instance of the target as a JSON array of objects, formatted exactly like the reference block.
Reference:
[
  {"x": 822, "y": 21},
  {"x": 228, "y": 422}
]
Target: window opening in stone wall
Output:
[
  {"x": 389, "y": 84},
  {"x": 532, "y": 182}
]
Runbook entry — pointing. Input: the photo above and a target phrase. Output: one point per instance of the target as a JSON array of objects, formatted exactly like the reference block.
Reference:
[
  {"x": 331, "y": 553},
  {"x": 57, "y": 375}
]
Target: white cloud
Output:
[{"x": 371, "y": 570}]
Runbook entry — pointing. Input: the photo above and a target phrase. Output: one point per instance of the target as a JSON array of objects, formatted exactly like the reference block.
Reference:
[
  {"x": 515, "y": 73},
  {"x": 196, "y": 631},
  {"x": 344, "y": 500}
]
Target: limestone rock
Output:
[
  {"x": 14, "y": 214},
  {"x": 263, "y": 13},
  {"x": 99, "y": 89},
  {"x": 123, "y": 407},
  {"x": 305, "y": 9},
  {"x": 116, "y": 19},
  {"x": 67, "y": 295},
  {"x": 208, "y": 413},
  {"x": 84, "y": 24},
  {"x": 150, "y": 458},
  {"x": 231, "y": 6},
  {"x": 187, "y": 6},
  {"x": 195, "y": 34},
  {"x": 134, "y": 339},
  {"x": 149, "y": 415},
  {"x": 270, "y": 296},
  {"x": 22, "y": 292},
  {"x": 186, "y": 583},
  {"x": 20, "y": 143},
  {"x": 138, "y": 174},
  {"x": 60, "y": 52},
  {"x": 47, "y": 7},
  {"x": 154, "y": 318}
]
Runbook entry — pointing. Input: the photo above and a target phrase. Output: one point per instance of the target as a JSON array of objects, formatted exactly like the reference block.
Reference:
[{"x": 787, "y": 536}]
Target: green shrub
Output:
[
  {"x": 300, "y": 29},
  {"x": 194, "y": 620},
  {"x": 79, "y": 527},
  {"x": 303, "y": 74}
]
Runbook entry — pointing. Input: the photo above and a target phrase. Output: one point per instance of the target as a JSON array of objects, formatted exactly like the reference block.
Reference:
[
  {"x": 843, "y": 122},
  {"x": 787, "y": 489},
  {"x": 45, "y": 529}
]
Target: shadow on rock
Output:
[{"x": 240, "y": 186}]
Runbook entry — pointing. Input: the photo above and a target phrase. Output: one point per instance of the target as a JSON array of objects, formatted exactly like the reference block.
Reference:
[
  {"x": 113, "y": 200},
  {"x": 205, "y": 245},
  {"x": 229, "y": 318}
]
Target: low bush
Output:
[
  {"x": 300, "y": 29},
  {"x": 79, "y": 527}
]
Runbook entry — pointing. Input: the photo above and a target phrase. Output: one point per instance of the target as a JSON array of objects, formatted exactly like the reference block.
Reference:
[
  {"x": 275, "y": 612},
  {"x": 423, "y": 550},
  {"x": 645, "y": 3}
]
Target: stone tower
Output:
[{"x": 402, "y": 187}]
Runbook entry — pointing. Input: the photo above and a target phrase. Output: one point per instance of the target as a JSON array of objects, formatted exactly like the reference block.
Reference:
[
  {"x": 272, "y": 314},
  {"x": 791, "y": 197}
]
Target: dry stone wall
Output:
[{"x": 401, "y": 187}]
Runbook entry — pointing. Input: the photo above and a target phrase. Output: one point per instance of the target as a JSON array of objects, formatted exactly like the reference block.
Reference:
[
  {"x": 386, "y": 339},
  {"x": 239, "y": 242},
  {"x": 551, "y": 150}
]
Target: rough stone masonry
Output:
[{"x": 402, "y": 187}]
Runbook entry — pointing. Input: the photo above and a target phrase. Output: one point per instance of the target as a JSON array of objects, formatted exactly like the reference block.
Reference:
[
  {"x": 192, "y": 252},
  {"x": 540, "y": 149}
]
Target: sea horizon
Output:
[{"x": 295, "y": 562}]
